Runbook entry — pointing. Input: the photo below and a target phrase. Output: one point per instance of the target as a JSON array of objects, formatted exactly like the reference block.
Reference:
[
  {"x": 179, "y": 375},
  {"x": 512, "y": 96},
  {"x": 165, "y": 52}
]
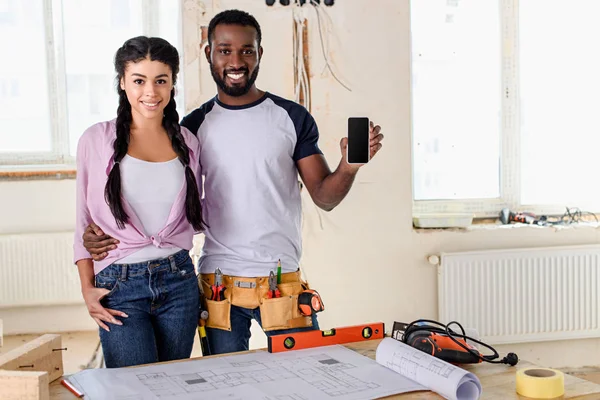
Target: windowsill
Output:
[
  {"x": 490, "y": 224},
  {"x": 37, "y": 172}
]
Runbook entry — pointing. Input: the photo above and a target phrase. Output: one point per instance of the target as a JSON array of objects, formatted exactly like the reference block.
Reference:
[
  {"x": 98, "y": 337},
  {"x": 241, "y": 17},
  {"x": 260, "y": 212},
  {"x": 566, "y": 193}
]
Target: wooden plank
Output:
[
  {"x": 16, "y": 385},
  {"x": 42, "y": 354},
  {"x": 1, "y": 333}
]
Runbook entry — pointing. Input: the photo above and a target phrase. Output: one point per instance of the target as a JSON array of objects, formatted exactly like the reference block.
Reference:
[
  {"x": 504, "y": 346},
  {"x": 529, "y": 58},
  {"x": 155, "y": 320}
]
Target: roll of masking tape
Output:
[{"x": 540, "y": 383}]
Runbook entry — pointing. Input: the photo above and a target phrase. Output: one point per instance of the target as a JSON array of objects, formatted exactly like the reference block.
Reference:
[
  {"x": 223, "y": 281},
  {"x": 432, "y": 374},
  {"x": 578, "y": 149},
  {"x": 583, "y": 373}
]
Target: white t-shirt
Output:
[
  {"x": 251, "y": 202},
  {"x": 150, "y": 188}
]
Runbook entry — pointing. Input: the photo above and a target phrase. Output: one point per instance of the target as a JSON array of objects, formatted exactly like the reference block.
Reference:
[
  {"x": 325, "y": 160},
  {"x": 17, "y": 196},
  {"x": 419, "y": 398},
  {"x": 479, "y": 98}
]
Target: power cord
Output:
[
  {"x": 571, "y": 215},
  {"x": 319, "y": 10},
  {"x": 511, "y": 358}
]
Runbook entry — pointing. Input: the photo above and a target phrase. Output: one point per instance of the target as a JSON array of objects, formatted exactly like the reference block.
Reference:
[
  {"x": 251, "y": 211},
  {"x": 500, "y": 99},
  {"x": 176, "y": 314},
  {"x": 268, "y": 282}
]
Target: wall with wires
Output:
[{"x": 308, "y": 17}]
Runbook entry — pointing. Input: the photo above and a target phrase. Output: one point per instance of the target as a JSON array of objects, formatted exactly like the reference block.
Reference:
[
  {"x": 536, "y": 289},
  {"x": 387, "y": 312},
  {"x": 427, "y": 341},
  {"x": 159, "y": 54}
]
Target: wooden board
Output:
[
  {"x": 42, "y": 354},
  {"x": 16, "y": 385}
]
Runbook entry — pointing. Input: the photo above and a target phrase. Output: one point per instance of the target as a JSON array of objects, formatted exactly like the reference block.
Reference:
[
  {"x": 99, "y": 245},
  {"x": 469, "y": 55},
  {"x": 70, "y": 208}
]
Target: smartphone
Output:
[{"x": 358, "y": 150}]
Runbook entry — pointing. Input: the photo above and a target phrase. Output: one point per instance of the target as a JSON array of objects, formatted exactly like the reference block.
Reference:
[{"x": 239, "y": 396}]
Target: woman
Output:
[{"x": 138, "y": 177}]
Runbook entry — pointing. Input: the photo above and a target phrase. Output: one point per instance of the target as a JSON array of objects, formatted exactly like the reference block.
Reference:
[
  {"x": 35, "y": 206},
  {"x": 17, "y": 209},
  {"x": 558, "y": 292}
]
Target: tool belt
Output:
[{"x": 275, "y": 313}]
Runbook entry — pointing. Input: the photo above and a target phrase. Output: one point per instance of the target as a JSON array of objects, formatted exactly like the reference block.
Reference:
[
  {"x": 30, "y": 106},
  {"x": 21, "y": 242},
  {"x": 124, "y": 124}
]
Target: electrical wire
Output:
[
  {"x": 572, "y": 215},
  {"x": 318, "y": 11},
  {"x": 575, "y": 215},
  {"x": 510, "y": 359},
  {"x": 301, "y": 90}
]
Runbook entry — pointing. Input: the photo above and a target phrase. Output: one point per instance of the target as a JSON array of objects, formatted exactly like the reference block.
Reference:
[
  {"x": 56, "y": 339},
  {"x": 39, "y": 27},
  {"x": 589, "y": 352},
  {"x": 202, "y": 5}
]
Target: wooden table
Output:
[{"x": 497, "y": 380}]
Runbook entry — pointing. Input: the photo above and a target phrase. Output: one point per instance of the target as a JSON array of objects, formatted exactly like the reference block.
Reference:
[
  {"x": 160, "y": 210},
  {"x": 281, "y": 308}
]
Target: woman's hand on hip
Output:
[{"x": 92, "y": 297}]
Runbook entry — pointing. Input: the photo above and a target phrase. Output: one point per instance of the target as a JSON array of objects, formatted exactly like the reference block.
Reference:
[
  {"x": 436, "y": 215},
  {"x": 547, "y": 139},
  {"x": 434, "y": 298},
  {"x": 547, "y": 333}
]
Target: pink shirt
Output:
[{"x": 94, "y": 163}]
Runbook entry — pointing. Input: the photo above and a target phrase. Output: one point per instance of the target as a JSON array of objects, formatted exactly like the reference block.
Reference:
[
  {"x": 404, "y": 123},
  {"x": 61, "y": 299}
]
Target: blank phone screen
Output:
[{"x": 358, "y": 140}]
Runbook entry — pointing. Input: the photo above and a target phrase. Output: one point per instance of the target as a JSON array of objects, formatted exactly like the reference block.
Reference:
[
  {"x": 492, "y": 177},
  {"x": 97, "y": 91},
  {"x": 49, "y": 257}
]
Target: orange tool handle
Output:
[{"x": 218, "y": 293}]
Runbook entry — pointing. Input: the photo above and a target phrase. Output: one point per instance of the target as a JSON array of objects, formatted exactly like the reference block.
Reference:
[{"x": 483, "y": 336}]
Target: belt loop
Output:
[
  {"x": 173, "y": 264},
  {"x": 123, "y": 276}
]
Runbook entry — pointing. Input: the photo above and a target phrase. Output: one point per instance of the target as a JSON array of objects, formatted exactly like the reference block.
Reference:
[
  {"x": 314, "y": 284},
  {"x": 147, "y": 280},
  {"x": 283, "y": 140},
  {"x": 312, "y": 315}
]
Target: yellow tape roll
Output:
[{"x": 540, "y": 383}]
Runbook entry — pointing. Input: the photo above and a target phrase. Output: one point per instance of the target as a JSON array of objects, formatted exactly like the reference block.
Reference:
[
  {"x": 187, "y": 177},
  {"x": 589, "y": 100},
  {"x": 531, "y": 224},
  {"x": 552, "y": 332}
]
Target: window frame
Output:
[
  {"x": 59, "y": 158},
  {"x": 510, "y": 139}
]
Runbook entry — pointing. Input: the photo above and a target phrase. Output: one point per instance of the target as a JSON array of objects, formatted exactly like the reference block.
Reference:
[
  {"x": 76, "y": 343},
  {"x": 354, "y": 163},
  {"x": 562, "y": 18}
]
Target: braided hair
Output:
[{"x": 135, "y": 50}]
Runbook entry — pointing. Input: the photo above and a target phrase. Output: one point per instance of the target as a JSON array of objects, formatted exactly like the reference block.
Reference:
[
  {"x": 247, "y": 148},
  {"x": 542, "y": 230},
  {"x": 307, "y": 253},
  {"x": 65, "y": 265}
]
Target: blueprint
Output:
[
  {"x": 332, "y": 373},
  {"x": 438, "y": 375}
]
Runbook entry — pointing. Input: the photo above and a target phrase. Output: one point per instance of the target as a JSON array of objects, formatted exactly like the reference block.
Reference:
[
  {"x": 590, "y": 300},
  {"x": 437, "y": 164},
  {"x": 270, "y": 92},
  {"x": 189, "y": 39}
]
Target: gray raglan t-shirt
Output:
[{"x": 252, "y": 196}]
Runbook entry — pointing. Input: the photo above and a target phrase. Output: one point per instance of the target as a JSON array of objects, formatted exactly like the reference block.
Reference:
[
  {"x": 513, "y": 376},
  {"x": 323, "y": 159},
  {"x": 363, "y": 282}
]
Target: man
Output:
[{"x": 253, "y": 145}]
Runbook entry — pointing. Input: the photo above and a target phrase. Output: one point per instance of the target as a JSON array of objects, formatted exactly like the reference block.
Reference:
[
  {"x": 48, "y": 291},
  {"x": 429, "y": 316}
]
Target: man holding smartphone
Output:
[{"x": 253, "y": 145}]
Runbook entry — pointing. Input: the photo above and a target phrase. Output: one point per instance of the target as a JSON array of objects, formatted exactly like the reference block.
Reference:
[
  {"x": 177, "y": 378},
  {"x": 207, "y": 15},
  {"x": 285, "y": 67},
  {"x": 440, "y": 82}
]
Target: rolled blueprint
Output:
[{"x": 449, "y": 381}]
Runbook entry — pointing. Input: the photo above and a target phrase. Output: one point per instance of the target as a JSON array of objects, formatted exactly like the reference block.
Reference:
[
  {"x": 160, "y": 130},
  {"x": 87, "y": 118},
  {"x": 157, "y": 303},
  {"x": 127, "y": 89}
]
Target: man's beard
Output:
[{"x": 234, "y": 91}]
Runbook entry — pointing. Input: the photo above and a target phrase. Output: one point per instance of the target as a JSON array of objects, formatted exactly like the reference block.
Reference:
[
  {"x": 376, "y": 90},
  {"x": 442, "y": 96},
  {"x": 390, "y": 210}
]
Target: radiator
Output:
[
  {"x": 523, "y": 295},
  {"x": 37, "y": 270}
]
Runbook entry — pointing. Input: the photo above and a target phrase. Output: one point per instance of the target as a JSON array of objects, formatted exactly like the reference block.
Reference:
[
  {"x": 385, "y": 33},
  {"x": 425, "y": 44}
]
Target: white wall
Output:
[{"x": 368, "y": 241}]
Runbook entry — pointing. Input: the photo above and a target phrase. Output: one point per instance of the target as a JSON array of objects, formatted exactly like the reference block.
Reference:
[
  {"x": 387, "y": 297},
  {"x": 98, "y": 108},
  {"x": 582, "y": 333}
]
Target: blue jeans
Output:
[
  {"x": 162, "y": 299},
  {"x": 238, "y": 338}
]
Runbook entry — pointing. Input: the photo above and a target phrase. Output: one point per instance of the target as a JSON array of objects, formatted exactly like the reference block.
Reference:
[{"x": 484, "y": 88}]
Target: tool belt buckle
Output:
[{"x": 244, "y": 285}]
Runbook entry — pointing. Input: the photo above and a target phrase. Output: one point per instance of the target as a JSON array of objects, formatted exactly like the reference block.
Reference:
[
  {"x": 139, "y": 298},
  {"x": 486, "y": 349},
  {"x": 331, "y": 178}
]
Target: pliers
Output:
[
  {"x": 218, "y": 290},
  {"x": 273, "y": 289}
]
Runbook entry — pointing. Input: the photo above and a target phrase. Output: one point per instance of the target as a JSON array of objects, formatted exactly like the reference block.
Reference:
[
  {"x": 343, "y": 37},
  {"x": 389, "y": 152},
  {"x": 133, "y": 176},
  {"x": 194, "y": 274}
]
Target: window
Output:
[
  {"x": 505, "y": 103},
  {"x": 60, "y": 77}
]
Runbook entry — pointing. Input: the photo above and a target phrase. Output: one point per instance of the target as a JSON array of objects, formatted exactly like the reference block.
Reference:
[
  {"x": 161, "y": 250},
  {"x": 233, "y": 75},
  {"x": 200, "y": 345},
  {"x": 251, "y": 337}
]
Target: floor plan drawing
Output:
[
  {"x": 327, "y": 373},
  {"x": 321, "y": 371}
]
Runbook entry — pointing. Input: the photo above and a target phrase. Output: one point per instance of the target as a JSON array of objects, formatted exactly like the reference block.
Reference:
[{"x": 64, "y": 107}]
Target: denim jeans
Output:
[
  {"x": 238, "y": 338},
  {"x": 162, "y": 299}
]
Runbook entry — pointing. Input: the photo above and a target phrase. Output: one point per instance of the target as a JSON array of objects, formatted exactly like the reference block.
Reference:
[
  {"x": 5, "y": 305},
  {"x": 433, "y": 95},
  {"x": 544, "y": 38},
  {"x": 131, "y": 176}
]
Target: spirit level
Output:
[{"x": 308, "y": 339}]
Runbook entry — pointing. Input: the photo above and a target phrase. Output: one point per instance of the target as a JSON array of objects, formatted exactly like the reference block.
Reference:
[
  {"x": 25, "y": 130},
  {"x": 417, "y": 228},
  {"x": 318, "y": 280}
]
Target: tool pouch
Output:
[
  {"x": 219, "y": 312},
  {"x": 245, "y": 292},
  {"x": 276, "y": 313},
  {"x": 283, "y": 312}
]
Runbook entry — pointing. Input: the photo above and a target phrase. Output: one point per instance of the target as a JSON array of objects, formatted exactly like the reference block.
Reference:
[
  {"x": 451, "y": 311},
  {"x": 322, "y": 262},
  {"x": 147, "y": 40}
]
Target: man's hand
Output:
[
  {"x": 92, "y": 297},
  {"x": 97, "y": 243},
  {"x": 375, "y": 138}
]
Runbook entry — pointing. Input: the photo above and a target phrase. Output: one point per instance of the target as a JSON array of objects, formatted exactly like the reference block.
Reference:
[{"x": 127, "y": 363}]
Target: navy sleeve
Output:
[
  {"x": 307, "y": 132},
  {"x": 193, "y": 120},
  {"x": 308, "y": 137}
]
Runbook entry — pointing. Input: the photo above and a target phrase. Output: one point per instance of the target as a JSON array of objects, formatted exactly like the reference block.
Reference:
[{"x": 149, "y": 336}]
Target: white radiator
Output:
[
  {"x": 37, "y": 270},
  {"x": 523, "y": 295}
]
